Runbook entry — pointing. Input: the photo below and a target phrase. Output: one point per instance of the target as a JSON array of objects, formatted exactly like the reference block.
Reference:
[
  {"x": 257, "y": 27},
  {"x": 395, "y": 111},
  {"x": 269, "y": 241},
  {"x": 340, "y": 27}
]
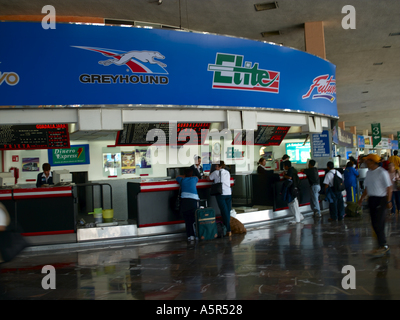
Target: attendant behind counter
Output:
[
  {"x": 45, "y": 178},
  {"x": 266, "y": 172},
  {"x": 197, "y": 168}
]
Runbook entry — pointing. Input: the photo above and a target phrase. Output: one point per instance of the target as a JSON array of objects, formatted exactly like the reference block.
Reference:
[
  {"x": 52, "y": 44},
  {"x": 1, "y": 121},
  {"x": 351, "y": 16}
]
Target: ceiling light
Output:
[
  {"x": 394, "y": 34},
  {"x": 266, "y": 6},
  {"x": 270, "y": 33},
  {"x": 386, "y": 47},
  {"x": 365, "y": 92},
  {"x": 378, "y": 63},
  {"x": 363, "y": 107}
]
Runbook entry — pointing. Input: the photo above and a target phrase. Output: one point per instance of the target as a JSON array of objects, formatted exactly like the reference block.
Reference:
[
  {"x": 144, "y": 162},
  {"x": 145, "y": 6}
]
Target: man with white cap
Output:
[{"x": 378, "y": 188}]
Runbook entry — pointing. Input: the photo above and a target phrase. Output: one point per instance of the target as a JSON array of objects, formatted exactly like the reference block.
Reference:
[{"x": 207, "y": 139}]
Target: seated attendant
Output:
[{"x": 46, "y": 177}]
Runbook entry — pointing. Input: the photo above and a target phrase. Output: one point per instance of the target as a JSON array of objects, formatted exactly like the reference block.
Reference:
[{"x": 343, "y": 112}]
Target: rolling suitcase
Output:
[{"x": 206, "y": 226}]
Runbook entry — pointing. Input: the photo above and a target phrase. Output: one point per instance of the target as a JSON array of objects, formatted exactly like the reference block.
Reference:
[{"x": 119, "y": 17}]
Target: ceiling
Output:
[{"x": 354, "y": 52}]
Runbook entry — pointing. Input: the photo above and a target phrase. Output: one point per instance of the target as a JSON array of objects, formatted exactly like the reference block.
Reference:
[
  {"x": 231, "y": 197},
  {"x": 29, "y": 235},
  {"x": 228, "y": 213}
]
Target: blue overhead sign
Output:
[
  {"x": 110, "y": 65},
  {"x": 320, "y": 145}
]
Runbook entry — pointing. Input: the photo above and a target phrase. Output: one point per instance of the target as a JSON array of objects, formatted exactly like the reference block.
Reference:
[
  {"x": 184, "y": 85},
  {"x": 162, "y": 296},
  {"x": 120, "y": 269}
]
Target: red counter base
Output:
[{"x": 47, "y": 233}]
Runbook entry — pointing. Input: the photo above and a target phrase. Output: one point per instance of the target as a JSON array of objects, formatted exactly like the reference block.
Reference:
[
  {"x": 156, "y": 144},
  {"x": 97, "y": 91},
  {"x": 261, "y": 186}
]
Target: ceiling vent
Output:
[
  {"x": 266, "y": 6},
  {"x": 141, "y": 24},
  {"x": 378, "y": 63},
  {"x": 386, "y": 47},
  {"x": 119, "y": 22},
  {"x": 270, "y": 33},
  {"x": 394, "y": 34},
  {"x": 365, "y": 92}
]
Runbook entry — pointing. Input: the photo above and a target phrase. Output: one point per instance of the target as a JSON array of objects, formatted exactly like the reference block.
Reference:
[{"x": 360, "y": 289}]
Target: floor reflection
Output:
[{"x": 280, "y": 261}]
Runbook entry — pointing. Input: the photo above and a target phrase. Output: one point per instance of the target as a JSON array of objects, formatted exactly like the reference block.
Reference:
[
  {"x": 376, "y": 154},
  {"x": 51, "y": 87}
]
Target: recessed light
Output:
[
  {"x": 266, "y": 6},
  {"x": 270, "y": 33},
  {"x": 378, "y": 63}
]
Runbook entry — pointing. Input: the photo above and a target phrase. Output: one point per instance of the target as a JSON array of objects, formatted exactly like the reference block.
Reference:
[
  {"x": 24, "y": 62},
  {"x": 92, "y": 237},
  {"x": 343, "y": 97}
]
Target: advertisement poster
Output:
[
  {"x": 345, "y": 138},
  {"x": 367, "y": 142},
  {"x": 111, "y": 163},
  {"x": 75, "y": 155},
  {"x": 361, "y": 141},
  {"x": 143, "y": 158},
  {"x": 30, "y": 164},
  {"x": 206, "y": 161},
  {"x": 128, "y": 162}
]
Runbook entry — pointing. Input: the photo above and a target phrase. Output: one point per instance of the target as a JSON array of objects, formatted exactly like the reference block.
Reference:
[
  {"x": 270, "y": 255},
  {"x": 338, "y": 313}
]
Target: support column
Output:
[
  {"x": 315, "y": 38},
  {"x": 341, "y": 125}
]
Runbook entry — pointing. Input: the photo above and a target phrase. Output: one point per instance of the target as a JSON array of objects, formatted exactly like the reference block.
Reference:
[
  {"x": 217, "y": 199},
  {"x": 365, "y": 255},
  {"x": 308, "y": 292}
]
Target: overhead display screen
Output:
[
  {"x": 264, "y": 136},
  {"x": 298, "y": 152},
  {"x": 40, "y": 136},
  {"x": 135, "y": 134}
]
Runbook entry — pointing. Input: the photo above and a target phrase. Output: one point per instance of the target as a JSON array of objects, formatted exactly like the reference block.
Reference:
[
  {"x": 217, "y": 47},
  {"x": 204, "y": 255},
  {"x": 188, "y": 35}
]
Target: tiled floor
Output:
[{"x": 278, "y": 261}]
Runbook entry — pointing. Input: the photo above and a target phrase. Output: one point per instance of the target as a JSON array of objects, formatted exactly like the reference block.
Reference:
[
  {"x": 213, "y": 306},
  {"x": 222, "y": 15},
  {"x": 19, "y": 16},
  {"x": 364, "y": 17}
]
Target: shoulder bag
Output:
[{"x": 216, "y": 188}]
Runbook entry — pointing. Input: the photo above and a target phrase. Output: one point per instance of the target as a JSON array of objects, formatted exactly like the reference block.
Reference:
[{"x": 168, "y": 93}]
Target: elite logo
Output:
[
  {"x": 143, "y": 63},
  {"x": 231, "y": 74},
  {"x": 326, "y": 88}
]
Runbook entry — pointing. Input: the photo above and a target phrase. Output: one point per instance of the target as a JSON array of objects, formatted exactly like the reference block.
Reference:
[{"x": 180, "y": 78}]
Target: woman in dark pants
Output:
[{"x": 189, "y": 200}]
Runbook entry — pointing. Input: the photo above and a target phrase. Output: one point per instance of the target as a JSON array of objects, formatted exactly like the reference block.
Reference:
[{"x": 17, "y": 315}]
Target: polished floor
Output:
[{"x": 278, "y": 261}]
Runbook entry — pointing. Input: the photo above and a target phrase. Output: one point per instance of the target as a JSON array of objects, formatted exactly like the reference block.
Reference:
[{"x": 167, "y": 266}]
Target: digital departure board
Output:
[
  {"x": 40, "y": 136},
  {"x": 136, "y": 134},
  {"x": 263, "y": 136}
]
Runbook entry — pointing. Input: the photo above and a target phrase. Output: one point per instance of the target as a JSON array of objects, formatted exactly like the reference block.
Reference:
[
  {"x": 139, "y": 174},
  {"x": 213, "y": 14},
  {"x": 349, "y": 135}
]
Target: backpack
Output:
[
  {"x": 353, "y": 210},
  {"x": 338, "y": 184}
]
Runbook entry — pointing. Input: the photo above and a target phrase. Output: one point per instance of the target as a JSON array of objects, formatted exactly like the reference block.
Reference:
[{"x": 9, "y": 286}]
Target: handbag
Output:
[
  {"x": 216, "y": 188},
  {"x": 178, "y": 201},
  {"x": 11, "y": 242}
]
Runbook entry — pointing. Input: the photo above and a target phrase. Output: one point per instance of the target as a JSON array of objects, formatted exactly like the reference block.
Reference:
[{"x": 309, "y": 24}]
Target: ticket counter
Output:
[
  {"x": 152, "y": 203},
  {"x": 41, "y": 211}
]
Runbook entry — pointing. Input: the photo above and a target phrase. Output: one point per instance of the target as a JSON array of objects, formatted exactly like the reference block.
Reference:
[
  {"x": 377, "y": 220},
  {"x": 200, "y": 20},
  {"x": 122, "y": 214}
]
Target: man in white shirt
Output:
[
  {"x": 224, "y": 200},
  {"x": 336, "y": 204},
  {"x": 378, "y": 188}
]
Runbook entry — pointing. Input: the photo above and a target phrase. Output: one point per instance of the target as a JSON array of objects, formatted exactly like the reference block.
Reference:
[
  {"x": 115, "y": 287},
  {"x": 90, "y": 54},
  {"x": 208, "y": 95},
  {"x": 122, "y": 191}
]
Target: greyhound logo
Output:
[{"x": 136, "y": 61}]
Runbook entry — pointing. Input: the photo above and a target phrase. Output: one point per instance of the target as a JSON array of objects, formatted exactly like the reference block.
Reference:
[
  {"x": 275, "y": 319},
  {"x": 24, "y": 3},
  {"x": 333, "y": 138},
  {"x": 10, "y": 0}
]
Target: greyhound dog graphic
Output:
[
  {"x": 137, "y": 61},
  {"x": 143, "y": 56}
]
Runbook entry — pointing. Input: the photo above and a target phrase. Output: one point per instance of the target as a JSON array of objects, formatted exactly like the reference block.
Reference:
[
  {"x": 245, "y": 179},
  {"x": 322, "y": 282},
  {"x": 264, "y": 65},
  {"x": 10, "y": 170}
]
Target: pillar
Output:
[{"x": 315, "y": 38}]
